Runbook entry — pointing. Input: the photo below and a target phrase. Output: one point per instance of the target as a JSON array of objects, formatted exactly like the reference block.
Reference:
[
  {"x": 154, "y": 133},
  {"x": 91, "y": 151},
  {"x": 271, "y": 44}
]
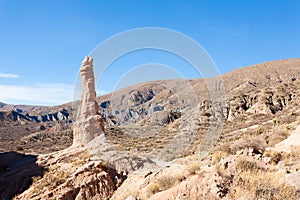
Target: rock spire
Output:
[{"x": 89, "y": 123}]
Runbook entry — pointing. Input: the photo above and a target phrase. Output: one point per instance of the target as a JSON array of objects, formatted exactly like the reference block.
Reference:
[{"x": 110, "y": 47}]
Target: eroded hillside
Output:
[{"x": 156, "y": 131}]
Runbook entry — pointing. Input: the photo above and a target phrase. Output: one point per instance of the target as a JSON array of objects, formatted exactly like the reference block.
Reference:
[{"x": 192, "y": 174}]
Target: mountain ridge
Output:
[
  {"x": 260, "y": 66},
  {"x": 160, "y": 129},
  {"x": 162, "y": 102}
]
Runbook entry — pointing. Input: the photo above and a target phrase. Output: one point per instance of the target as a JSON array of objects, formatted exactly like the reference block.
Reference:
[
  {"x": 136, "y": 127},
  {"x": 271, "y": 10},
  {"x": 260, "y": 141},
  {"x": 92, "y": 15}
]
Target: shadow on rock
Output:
[{"x": 16, "y": 173}]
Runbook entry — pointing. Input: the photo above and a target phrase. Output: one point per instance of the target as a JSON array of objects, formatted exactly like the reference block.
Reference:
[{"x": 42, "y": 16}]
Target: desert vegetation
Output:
[{"x": 151, "y": 150}]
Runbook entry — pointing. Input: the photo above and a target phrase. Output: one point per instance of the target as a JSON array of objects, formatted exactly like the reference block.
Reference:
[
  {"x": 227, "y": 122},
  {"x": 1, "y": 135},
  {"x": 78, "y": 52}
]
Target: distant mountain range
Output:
[
  {"x": 262, "y": 89},
  {"x": 2, "y": 104}
]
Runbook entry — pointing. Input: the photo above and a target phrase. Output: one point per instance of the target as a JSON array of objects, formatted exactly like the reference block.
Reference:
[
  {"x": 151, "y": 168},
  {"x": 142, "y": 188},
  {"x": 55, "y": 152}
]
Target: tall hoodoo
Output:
[{"x": 89, "y": 123}]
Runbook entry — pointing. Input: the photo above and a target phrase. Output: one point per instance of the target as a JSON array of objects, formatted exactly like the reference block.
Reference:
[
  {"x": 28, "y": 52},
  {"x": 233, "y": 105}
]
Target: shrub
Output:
[
  {"x": 192, "y": 168},
  {"x": 153, "y": 188},
  {"x": 255, "y": 181},
  {"x": 248, "y": 164},
  {"x": 246, "y": 141},
  {"x": 261, "y": 184},
  {"x": 166, "y": 182}
]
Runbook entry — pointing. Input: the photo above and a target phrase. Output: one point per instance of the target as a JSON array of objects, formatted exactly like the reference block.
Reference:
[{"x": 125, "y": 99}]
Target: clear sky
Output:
[{"x": 42, "y": 43}]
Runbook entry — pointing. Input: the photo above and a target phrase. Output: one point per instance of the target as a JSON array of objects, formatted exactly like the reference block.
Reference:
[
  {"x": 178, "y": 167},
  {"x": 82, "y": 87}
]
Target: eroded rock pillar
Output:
[{"x": 89, "y": 123}]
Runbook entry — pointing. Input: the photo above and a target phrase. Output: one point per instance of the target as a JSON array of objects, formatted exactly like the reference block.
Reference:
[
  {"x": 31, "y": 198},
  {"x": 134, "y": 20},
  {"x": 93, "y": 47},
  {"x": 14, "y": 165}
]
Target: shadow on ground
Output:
[{"x": 16, "y": 173}]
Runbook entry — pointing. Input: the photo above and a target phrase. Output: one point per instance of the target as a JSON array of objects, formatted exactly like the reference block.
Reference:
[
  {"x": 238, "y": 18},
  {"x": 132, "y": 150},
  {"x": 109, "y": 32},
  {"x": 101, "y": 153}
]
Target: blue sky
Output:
[{"x": 42, "y": 43}]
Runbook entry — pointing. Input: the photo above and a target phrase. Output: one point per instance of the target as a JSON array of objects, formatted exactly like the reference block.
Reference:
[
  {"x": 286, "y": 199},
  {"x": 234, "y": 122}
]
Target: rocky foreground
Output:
[{"x": 160, "y": 140}]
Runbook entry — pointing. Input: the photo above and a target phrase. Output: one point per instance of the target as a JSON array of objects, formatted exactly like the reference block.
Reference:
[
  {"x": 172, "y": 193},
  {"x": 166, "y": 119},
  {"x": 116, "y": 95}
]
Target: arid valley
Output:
[{"x": 152, "y": 141}]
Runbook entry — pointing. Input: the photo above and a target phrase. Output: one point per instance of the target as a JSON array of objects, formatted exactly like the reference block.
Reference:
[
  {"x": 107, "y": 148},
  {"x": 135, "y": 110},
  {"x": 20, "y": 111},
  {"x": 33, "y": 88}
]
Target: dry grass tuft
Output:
[
  {"x": 258, "y": 184},
  {"x": 164, "y": 182},
  {"x": 253, "y": 181},
  {"x": 218, "y": 155},
  {"x": 277, "y": 136},
  {"x": 167, "y": 182},
  {"x": 193, "y": 168},
  {"x": 245, "y": 142},
  {"x": 153, "y": 188}
]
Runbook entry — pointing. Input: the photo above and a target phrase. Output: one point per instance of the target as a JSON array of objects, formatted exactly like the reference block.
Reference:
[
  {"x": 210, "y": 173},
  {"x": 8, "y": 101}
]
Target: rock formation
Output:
[
  {"x": 288, "y": 144},
  {"x": 89, "y": 123},
  {"x": 69, "y": 176},
  {"x": 261, "y": 111}
]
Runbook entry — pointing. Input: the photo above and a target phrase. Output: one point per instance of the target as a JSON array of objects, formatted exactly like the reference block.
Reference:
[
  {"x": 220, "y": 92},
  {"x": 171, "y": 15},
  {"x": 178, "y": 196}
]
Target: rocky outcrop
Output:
[
  {"x": 89, "y": 182},
  {"x": 70, "y": 175},
  {"x": 15, "y": 116},
  {"x": 173, "y": 182},
  {"x": 57, "y": 116},
  {"x": 89, "y": 123},
  {"x": 293, "y": 141},
  {"x": 139, "y": 97},
  {"x": 19, "y": 116},
  {"x": 266, "y": 102}
]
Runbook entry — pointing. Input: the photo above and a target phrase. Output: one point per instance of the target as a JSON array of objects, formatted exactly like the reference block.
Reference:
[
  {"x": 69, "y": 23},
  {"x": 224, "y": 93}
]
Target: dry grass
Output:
[
  {"x": 164, "y": 182},
  {"x": 249, "y": 164},
  {"x": 36, "y": 179},
  {"x": 153, "y": 188},
  {"x": 218, "y": 155},
  {"x": 255, "y": 183},
  {"x": 51, "y": 180},
  {"x": 253, "y": 179},
  {"x": 245, "y": 142},
  {"x": 58, "y": 174},
  {"x": 167, "y": 182},
  {"x": 193, "y": 168},
  {"x": 276, "y": 136}
]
